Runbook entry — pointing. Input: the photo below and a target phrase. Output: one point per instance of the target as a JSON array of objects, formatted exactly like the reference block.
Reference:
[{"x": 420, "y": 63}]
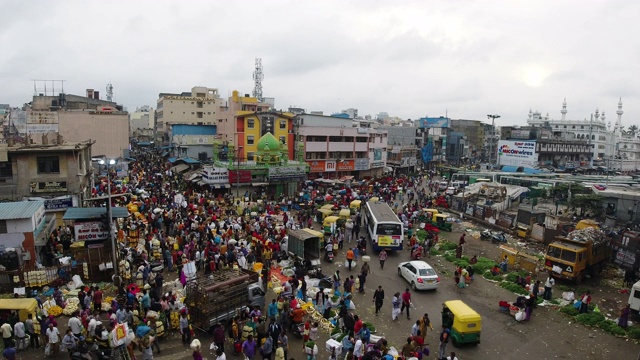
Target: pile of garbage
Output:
[{"x": 585, "y": 235}]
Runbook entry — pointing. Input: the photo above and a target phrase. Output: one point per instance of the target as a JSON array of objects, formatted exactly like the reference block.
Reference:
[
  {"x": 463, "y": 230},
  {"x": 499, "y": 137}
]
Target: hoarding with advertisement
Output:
[
  {"x": 90, "y": 231},
  {"x": 520, "y": 134},
  {"x": 361, "y": 164},
  {"x": 322, "y": 165},
  {"x": 215, "y": 175},
  {"x": 439, "y": 122},
  {"x": 287, "y": 172},
  {"x": 48, "y": 186},
  {"x": 517, "y": 153},
  {"x": 243, "y": 175},
  {"x": 345, "y": 165}
]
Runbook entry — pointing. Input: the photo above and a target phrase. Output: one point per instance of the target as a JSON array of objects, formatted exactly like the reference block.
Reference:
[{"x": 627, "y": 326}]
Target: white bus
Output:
[{"x": 385, "y": 230}]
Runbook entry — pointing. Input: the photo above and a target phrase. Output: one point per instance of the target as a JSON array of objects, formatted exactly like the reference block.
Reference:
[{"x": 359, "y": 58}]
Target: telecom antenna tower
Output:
[
  {"x": 109, "y": 92},
  {"x": 257, "y": 80}
]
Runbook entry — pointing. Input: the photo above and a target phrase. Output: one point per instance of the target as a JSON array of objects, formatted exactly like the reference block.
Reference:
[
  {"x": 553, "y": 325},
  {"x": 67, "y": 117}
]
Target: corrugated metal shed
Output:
[
  {"x": 19, "y": 209},
  {"x": 94, "y": 213}
]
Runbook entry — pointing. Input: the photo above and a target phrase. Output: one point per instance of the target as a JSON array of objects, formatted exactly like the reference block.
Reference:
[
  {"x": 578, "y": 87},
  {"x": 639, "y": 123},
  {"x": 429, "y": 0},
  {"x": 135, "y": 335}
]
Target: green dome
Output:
[{"x": 268, "y": 142}]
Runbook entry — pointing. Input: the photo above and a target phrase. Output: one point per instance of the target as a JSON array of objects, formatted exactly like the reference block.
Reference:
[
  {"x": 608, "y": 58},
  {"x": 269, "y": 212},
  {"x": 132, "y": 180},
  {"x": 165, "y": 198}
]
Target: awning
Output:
[
  {"x": 190, "y": 176},
  {"x": 171, "y": 160},
  {"x": 180, "y": 168},
  {"x": 259, "y": 184},
  {"x": 531, "y": 171},
  {"x": 94, "y": 213},
  {"x": 195, "y": 178},
  {"x": 346, "y": 178},
  {"x": 509, "y": 168},
  {"x": 165, "y": 153},
  {"x": 201, "y": 183},
  {"x": 220, "y": 186}
]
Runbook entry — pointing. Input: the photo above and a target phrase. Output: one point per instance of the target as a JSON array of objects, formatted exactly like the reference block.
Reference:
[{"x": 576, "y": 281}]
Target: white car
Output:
[{"x": 419, "y": 274}]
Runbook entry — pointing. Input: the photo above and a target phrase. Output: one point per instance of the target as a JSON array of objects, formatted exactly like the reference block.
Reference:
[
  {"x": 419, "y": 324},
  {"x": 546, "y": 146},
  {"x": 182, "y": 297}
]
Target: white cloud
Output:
[{"x": 407, "y": 58}]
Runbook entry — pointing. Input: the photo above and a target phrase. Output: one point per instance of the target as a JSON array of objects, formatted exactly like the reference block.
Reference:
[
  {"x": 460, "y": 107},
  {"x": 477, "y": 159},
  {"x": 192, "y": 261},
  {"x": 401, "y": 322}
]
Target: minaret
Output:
[
  {"x": 530, "y": 114},
  {"x": 564, "y": 109},
  {"x": 619, "y": 112},
  {"x": 597, "y": 116}
]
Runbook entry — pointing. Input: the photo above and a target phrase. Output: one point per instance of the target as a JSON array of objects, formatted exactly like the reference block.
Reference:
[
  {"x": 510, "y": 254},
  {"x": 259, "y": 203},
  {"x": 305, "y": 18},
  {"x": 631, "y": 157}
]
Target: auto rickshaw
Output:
[
  {"x": 345, "y": 214},
  {"x": 322, "y": 214},
  {"x": 327, "y": 206},
  {"x": 326, "y": 224},
  {"x": 374, "y": 199},
  {"x": 428, "y": 215},
  {"x": 464, "y": 323},
  {"x": 355, "y": 206},
  {"x": 440, "y": 221}
]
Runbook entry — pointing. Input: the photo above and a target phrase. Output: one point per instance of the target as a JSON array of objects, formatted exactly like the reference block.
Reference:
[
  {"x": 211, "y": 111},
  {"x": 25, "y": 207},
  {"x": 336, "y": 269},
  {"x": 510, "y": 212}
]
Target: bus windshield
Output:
[{"x": 389, "y": 229}]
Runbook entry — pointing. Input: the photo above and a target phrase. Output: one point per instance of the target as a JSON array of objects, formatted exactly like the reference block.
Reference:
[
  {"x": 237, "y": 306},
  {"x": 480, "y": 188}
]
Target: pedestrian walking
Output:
[
  {"x": 382, "y": 257},
  {"x": 378, "y": 298},
  {"x": 406, "y": 302},
  {"x": 547, "y": 287},
  {"x": 444, "y": 340},
  {"x": 395, "y": 309}
]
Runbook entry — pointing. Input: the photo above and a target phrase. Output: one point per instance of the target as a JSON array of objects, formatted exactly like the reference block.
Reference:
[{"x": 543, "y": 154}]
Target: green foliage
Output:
[
  {"x": 463, "y": 261},
  {"x": 421, "y": 235},
  {"x": 341, "y": 337},
  {"x": 483, "y": 265},
  {"x": 435, "y": 252},
  {"x": 335, "y": 330},
  {"x": 589, "y": 204},
  {"x": 487, "y": 275},
  {"x": 606, "y": 325},
  {"x": 513, "y": 276},
  {"x": 562, "y": 288},
  {"x": 539, "y": 300},
  {"x": 447, "y": 245},
  {"x": 634, "y": 332},
  {"x": 617, "y": 330},
  {"x": 514, "y": 288},
  {"x": 591, "y": 319},
  {"x": 555, "y": 301},
  {"x": 449, "y": 257},
  {"x": 569, "y": 310}
]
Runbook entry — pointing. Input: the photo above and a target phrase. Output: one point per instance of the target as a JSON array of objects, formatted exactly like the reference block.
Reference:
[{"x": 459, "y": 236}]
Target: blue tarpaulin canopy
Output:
[
  {"x": 171, "y": 160},
  {"x": 532, "y": 171},
  {"x": 165, "y": 153},
  {"x": 94, "y": 213},
  {"x": 509, "y": 168},
  {"x": 190, "y": 160}
]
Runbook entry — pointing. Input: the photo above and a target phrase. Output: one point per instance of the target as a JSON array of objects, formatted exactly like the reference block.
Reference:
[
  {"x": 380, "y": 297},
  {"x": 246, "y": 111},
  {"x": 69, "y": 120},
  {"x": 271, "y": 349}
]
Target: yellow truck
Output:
[{"x": 582, "y": 252}]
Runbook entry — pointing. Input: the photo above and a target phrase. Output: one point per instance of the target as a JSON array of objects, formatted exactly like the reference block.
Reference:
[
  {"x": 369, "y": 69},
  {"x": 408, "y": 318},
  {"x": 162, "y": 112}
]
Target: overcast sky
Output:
[{"x": 407, "y": 58}]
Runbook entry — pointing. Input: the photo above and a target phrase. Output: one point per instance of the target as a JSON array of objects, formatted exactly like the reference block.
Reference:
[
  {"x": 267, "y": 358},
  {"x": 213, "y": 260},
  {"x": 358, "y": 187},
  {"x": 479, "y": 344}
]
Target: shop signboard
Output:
[
  {"x": 316, "y": 166},
  {"x": 520, "y": 134},
  {"x": 517, "y": 153},
  {"x": 345, "y": 165},
  {"x": 58, "y": 204},
  {"x": 287, "y": 172},
  {"x": 361, "y": 164},
  {"x": 439, "y": 122},
  {"x": 90, "y": 231},
  {"x": 48, "y": 186},
  {"x": 215, "y": 175},
  {"x": 244, "y": 176},
  {"x": 42, "y": 117},
  {"x": 377, "y": 164}
]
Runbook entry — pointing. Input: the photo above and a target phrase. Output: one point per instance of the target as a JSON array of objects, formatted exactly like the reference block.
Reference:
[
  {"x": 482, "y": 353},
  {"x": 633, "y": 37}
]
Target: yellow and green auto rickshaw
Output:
[
  {"x": 344, "y": 214},
  {"x": 440, "y": 221},
  {"x": 464, "y": 323},
  {"x": 354, "y": 206},
  {"x": 327, "y": 206},
  {"x": 322, "y": 214},
  {"x": 328, "y": 221}
]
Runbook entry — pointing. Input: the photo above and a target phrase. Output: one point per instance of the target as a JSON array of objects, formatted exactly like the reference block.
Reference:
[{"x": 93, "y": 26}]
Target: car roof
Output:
[{"x": 419, "y": 264}]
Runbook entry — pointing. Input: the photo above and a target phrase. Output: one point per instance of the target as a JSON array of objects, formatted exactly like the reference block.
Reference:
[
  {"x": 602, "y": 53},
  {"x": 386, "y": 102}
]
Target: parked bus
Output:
[{"x": 385, "y": 230}]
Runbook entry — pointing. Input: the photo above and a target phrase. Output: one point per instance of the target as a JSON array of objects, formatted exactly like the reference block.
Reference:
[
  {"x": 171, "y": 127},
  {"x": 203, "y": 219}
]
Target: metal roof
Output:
[
  {"x": 94, "y": 213},
  {"x": 19, "y": 209}
]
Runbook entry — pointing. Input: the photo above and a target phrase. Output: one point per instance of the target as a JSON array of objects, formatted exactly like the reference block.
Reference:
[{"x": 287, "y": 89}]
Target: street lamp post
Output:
[
  {"x": 114, "y": 247},
  {"x": 493, "y": 136}
]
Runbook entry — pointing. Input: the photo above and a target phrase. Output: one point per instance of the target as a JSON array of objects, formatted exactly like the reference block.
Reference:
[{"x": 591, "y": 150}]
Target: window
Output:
[
  {"x": 208, "y": 112},
  {"x": 568, "y": 255},
  {"x": 200, "y": 114},
  {"x": 249, "y": 156},
  {"x": 283, "y": 124},
  {"x": 250, "y": 140},
  {"x": 6, "y": 170},
  {"x": 199, "y": 104},
  {"x": 3, "y": 226},
  {"x": 283, "y": 139},
  {"x": 251, "y": 124},
  {"x": 48, "y": 165}
]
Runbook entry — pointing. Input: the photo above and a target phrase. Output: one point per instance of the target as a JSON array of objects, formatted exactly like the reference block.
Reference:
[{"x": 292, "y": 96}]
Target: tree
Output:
[
  {"x": 588, "y": 204},
  {"x": 633, "y": 130}
]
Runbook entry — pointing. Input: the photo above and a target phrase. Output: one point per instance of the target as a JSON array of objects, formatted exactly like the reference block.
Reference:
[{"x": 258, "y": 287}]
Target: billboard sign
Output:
[
  {"x": 520, "y": 134},
  {"x": 239, "y": 176},
  {"x": 91, "y": 230},
  {"x": 439, "y": 122},
  {"x": 287, "y": 172},
  {"x": 215, "y": 175},
  {"x": 361, "y": 164},
  {"x": 345, "y": 165},
  {"x": 517, "y": 153}
]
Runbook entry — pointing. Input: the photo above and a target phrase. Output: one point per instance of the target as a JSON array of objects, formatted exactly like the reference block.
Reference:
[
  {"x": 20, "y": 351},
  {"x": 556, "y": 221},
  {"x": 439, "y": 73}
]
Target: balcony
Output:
[
  {"x": 315, "y": 146},
  {"x": 361, "y": 146},
  {"x": 340, "y": 146}
]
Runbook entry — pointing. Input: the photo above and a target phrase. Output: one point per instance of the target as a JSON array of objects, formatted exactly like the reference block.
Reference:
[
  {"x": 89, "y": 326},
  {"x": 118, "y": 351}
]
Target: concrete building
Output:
[
  {"x": 59, "y": 174},
  {"x": 78, "y": 119},
  {"x": 473, "y": 131},
  {"x": 457, "y": 148},
  {"x": 333, "y": 148},
  {"x": 142, "y": 119},
  {"x": 437, "y": 138},
  {"x": 253, "y": 125},
  {"x": 24, "y": 228},
  {"x": 195, "y": 141},
  {"x": 403, "y": 145},
  {"x": 200, "y": 106},
  {"x": 226, "y": 125}
]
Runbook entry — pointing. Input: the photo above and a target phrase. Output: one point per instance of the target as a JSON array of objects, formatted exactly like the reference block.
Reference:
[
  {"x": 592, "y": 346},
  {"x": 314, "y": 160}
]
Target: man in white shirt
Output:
[
  {"x": 19, "y": 332},
  {"x": 91, "y": 328},
  {"x": 358, "y": 350},
  {"x": 54, "y": 339},
  {"x": 6, "y": 335},
  {"x": 76, "y": 325},
  {"x": 452, "y": 356}
]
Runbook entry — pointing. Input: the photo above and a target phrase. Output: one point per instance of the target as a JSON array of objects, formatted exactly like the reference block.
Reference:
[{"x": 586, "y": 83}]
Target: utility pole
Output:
[{"x": 493, "y": 138}]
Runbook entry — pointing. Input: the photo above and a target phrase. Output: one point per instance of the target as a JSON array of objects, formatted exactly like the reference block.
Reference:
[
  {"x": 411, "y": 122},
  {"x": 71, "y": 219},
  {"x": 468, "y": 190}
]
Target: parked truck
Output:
[
  {"x": 581, "y": 252},
  {"x": 222, "y": 295},
  {"x": 305, "y": 244}
]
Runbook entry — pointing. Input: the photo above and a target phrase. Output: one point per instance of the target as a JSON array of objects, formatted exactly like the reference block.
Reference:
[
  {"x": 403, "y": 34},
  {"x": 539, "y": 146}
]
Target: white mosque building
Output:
[{"x": 612, "y": 148}]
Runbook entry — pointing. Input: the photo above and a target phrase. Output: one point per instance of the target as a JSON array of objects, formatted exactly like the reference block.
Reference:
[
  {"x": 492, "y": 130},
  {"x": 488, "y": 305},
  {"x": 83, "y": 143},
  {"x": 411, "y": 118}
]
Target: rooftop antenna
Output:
[{"x": 257, "y": 80}]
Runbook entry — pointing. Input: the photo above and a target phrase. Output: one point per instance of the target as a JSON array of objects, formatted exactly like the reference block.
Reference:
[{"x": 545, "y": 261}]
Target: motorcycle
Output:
[
  {"x": 362, "y": 246},
  {"x": 498, "y": 238},
  {"x": 298, "y": 329},
  {"x": 329, "y": 256},
  {"x": 416, "y": 254},
  {"x": 486, "y": 235}
]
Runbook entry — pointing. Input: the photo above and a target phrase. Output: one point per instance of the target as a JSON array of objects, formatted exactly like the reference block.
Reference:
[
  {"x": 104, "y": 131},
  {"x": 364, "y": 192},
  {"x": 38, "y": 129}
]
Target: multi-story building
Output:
[
  {"x": 403, "y": 145},
  {"x": 141, "y": 119},
  {"x": 437, "y": 133},
  {"x": 228, "y": 110},
  {"x": 24, "y": 228},
  {"x": 334, "y": 148},
  {"x": 198, "y": 107},
  {"x": 474, "y": 133},
  {"x": 77, "y": 119},
  {"x": 253, "y": 125},
  {"x": 457, "y": 148},
  {"x": 46, "y": 171},
  {"x": 195, "y": 141}
]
